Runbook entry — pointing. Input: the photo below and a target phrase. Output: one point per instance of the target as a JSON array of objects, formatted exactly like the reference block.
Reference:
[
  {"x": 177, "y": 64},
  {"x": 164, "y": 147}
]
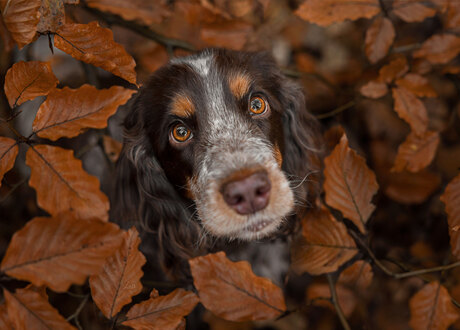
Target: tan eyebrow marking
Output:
[
  {"x": 182, "y": 106},
  {"x": 239, "y": 84}
]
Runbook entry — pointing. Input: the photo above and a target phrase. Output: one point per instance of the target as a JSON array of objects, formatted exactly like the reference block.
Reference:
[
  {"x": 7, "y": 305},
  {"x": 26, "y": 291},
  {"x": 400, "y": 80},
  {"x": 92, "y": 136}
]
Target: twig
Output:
[
  {"x": 78, "y": 311},
  {"x": 13, "y": 188},
  {"x": 335, "y": 301},
  {"x": 337, "y": 110}
]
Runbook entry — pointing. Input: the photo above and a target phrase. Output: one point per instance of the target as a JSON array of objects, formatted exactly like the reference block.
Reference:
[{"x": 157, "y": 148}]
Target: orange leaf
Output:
[
  {"x": 374, "y": 89},
  {"x": 8, "y": 152},
  {"x": 68, "y": 112},
  {"x": 326, "y": 12},
  {"x": 60, "y": 251},
  {"x": 25, "y": 81},
  {"x": 21, "y": 18},
  {"x": 346, "y": 298},
  {"x": 324, "y": 247},
  {"x": 349, "y": 184},
  {"x": 62, "y": 184},
  {"x": 359, "y": 275},
  {"x": 416, "y": 84},
  {"x": 379, "y": 38},
  {"x": 52, "y": 16},
  {"x": 439, "y": 49},
  {"x": 162, "y": 312},
  {"x": 232, "y": 291},
  {"x": 28, "y": 309},
  {"x": 231, "y": 34},
  {"x": 451, "y": 198},
  {"x": 431, "y": 308},
  {"x": 120, "y": 278},
  {"x": 4, "y": 319},
  {"x": 411, "y": 11},
  {"x": 93, "y": 44},
  {"x": 393, "y": 70},
  {"x": 411, "y": 109}
]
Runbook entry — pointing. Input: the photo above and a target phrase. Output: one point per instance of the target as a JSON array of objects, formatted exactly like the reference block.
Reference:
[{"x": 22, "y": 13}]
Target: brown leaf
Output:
[
  {"x": 68, "y": 112},
  {"x": 346, "y": 298},
  {"x": 162, "y": 312},
  {"x": 431, "y": 308},
  {"x": 451, "y": 198},
  {"x": 120, "y": 278},
  {"x": 4, "y": 319},
  {"x": 379, "y": 38},
  {"x": 8, "y": 152},
  {"x": 357, "y": 276},
  {"x": 374, "y": 89},
  {"x": 28, "y": 309},
  {"x": 393, "y": 70},
  {"x": 453, "y": 15},
  {"x": 232, "y": 291},
  {"x": 231, "y": 34},
  {"x": 21, "y": 18},
  {"x": 412, "y": 188},
  {"x": 326, "y": 12},
  {"x": 62, "y": 184},
  {"x": 93, "y": 44},
  {"x": 112, "y": 147},
  {"x": 412, "y": 10},
  {"x": 25, "y": 81},
  {"x": 439, "y": 49},
  {"x": 324, "y": 247},
  {"x": 411, "y": 109},
  {"x": 416, "y": 84},
  {"x": 52, "y": 16},
  {"x": 349, "y": 184},
  {"x": 60, "y": 251}
]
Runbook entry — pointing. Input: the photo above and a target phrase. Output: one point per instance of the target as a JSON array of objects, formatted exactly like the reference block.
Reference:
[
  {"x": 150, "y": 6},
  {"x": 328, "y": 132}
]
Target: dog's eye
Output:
[
  {"x": 258, "y": 105},
  {"x": 181, "y": 133}
]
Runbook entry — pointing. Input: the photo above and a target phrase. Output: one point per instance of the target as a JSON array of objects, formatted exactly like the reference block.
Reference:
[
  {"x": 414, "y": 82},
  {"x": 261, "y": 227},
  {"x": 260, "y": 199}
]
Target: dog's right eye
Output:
[{"x": 181, "y": 133}]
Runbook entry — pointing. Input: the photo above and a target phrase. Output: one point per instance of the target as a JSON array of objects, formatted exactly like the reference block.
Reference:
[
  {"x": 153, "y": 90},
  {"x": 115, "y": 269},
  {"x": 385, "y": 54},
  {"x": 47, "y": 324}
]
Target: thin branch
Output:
[
  {"x": 335, "y": 302},
  {"x": 338, "y": 110},
  {"x": 79, "y": 309},
  {"x": 13, "y": 188}
]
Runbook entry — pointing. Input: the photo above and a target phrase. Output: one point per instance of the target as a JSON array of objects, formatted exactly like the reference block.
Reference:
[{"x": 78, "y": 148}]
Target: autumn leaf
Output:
[
  {"x": 324, "y": 247},
  {"x": 411, "y": 188},
  {"x": 451, "y": 198},
  {"x": 326, "y": 12},
  {"x": 346, "y": 298},
  {"x": 162, "y": 312},
  {"x": 395, "y": 69},
  {"x": 231, "y": 34},
  {"x": 68, "y": 112},
  {"x": 21, "y": 18},
  {"x": 52, "y": 16},
  {"x": 25, "y": 81},
  {"x": 62, "y": 184},
  {"x": 120, "y": 278},
  {"x": 27, "y": 309},
  {"x": 416, "y": 84},
  {"x": 4, "y": 319},
  {"x": 412, "y": 10},
  {"x": 431, "y": 308},
  {"x": 374, "y": 89},
  {"x": 379, "y": 38},
  {"x": 60, "y": 251},
  {"x": 231, "y": 290},
  {"x": 93, "y": 44},
  {"x": 439, "y": 49},
  {"x": 357, "y": 276},
  {"x": 349, "y": 184},
  {"x": 8, "y": 152},
  {"x": 411, "y": 109}
]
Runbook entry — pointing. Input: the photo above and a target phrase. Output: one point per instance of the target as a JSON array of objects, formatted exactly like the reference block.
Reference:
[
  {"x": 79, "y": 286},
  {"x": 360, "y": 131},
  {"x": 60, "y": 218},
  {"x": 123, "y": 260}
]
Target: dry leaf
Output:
[
  {"x": 357, "y": 276},
  {"x": 411, "y": 109},
  {"x": 93, "y": 44},
  {"x": 324, "y": 247},
  {"x": 52, "y": 16},
  {"x": 451, "y": 198},
  {"x": 232, "y": 291},
  {"x": 120, "y": 278},
  {"x": 60, "y": 251},
  {"x": 346, "y": 298},
  {"x": 374, "y": 89},
  {"x": 349, "y": 184},
  {"x": 62, "y": 184},
  {"x": 431, "y": 308},
  {"x": 8, "y": 152},
  {"x": 21, "y": 18},
  {"x": 416, "y": 84},
  {"x": 112, "y": 147},
  {"x": 393, "y": 70},
  {"x": 412, "y": 10},
  {"x": 25, "y": 81},
  {"x": 68, "y": 112},
  {"x": 412, "y": 188},
  {"x": 28, "y": 309},
  {"x": 379, "y": 38},
  {"x": 326, "y": 12},
  {"x": 232, "y": 34},
  {"x": 417, "y": 152},
  {"x": 162, "y": 312},
  {"x": 439, "y": 49},
  {"x": 4, "y": 319}
]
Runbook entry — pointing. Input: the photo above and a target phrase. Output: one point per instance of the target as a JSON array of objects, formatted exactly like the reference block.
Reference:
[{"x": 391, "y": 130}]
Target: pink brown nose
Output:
[{"x": 249, "y": 194}]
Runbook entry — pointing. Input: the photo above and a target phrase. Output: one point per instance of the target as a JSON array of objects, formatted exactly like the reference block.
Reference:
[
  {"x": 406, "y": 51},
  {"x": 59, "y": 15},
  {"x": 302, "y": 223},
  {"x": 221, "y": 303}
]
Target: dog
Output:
[{"x": 219, "y": 151}]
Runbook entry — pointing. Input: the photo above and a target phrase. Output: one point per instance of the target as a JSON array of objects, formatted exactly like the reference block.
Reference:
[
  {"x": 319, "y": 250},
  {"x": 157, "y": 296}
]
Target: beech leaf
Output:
[
  {"x": 162, "y": 312},
  {"x": 93, "y": 44},
  {"x": 379, "y": 38},
  {"x": 21, "y": 18},
  {"x": 8, "y": 152},
  {"x": 28, "y": 309},
  {"x": 374, "y": 89},
  {"x": 68, "y": 112},
  {"x": 451, "y": 198},
  {"x": 439, "y": 49},
  {"x": 326, "y": 12},
  {"x": 324, "y": 247},
  {"x": 231, "y": 34},
  {"x": 25, "y": 81},
  {"x": 346, "y": 298},
  {"x": 120, "y": 278},
  {"x": 52, "y": 16},
  {"x": 357, "y": 276},
  {"x": 62, "y": 184},
  {"x": 412, "y": 11},
  {"x": 393, "y": 70},
  {"x": 411, "y": 109},
  {"x": 416, "y": 84},
  {"x": 431, "y": 308},
  {"x": 349, "y": 184},
  {"x": 60, "y": 251},
  {"x": 233, "y": 292},
  {"x": 4, "y": 319}
]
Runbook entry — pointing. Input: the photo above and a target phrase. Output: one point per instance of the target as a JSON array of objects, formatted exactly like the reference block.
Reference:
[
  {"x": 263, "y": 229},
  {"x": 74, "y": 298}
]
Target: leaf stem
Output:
[{"x": 335, "y": 302}]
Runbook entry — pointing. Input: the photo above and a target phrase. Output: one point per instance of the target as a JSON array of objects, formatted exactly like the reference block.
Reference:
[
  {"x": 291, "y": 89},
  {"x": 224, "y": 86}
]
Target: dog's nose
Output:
[{"x": 249, "y": 194}]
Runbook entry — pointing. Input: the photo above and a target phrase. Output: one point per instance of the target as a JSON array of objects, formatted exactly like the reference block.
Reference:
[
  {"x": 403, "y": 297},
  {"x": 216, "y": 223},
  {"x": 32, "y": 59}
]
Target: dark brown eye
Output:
[
  {"x": 181, "y": 133},
  {"x": 257, "y": 105}
]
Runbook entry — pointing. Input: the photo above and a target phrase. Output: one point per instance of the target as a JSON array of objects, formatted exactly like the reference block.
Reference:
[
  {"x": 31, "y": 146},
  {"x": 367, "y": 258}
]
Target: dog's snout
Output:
[{"x": 249, "y": 194}]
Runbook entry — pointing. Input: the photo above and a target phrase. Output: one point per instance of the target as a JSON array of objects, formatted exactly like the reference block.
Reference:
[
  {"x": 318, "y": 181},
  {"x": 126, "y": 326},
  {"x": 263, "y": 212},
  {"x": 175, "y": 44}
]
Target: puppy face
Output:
[{"x": 214, "y": 122}]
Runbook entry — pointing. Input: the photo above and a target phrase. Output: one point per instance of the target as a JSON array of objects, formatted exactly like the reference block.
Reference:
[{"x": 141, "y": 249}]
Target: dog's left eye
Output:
[
  {"x": 181, "y": 133},
  {"x": 258, "y": 105}
]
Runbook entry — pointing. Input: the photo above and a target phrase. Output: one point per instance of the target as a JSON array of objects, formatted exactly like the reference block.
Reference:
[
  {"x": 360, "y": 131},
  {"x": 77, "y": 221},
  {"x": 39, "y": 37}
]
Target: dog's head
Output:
[{"x": 224, "y": 134}]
